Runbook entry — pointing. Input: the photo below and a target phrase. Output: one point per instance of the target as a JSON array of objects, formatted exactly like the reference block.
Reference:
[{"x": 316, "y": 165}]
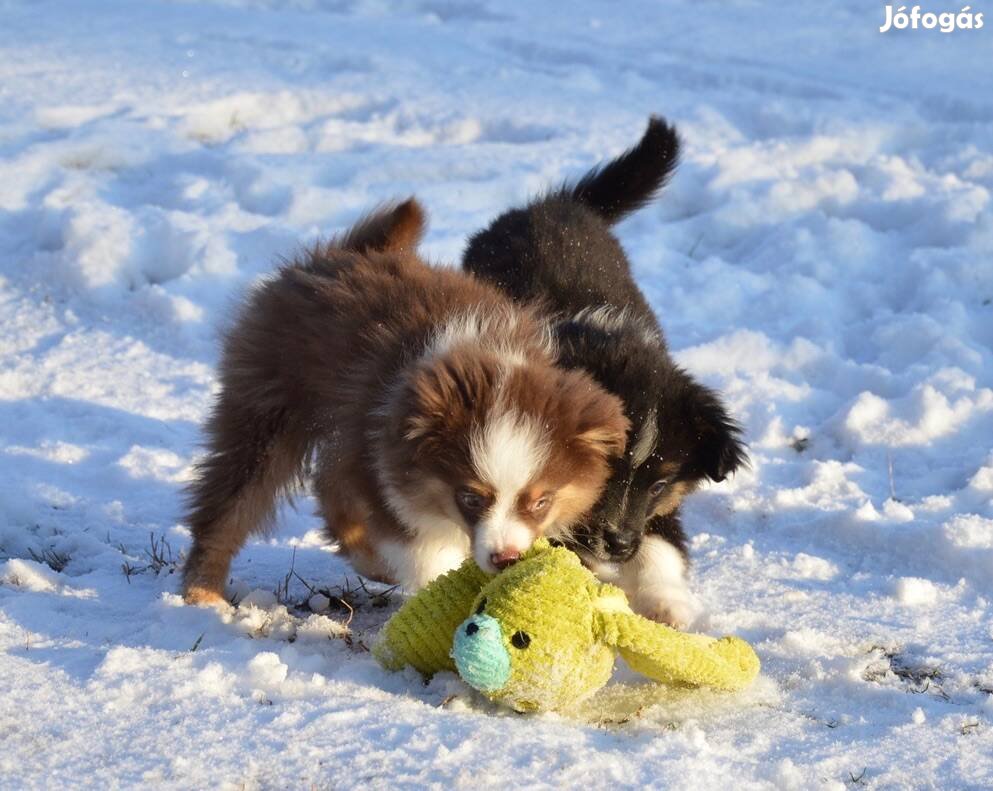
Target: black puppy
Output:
[{"x": 560, "y": 250}]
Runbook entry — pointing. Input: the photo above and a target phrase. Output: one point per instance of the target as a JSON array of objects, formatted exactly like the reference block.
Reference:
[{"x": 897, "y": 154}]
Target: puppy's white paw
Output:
[
  {"x": 655, "y": 581},
  {"x": 673, "y": 608}
]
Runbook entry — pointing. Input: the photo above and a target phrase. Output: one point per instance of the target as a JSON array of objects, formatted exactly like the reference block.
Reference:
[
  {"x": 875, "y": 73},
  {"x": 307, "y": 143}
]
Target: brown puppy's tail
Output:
[
  {"x": 631, "y": 180},
  {"x": 393, "y": 227}
]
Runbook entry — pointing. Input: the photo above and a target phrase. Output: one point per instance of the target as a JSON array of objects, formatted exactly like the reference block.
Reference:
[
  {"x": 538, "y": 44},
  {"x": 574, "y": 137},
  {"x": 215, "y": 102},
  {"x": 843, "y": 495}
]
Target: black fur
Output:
[
  {"x": 632, "y": 180},
  {"x": 560, "y": 249}
]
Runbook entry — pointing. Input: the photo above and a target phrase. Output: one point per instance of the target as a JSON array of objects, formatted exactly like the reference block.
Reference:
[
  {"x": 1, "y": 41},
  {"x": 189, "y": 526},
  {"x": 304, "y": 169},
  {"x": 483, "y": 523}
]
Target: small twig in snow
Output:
[{"x": 283, "y": 588}]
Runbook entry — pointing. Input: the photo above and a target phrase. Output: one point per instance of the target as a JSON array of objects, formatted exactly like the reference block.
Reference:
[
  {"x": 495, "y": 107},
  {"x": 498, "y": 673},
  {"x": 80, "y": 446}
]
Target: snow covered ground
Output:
[{"x": 824, "y": 256}]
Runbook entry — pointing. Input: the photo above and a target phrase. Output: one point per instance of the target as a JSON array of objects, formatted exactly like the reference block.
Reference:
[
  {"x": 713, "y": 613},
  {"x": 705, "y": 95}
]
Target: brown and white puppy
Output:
[{"x": 431, "y": 404}]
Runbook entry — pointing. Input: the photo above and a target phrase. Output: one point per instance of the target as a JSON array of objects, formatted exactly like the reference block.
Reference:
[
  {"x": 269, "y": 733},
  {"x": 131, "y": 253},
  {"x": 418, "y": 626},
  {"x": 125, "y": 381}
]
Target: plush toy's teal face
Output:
[{"x": 480, "y": 655}]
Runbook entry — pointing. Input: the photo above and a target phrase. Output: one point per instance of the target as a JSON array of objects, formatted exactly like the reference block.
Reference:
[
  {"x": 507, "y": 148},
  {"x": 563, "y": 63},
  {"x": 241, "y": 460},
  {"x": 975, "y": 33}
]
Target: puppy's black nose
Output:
[
  {"x": 471, "y": 628},
  {"x": 617, "y": 543}
]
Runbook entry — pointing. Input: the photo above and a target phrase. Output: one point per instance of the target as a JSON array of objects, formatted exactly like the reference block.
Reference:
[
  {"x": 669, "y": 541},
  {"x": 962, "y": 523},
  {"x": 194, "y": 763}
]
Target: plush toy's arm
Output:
[
  {"x": 420, "y": 633},
  {"x": 670, "y": 656}
]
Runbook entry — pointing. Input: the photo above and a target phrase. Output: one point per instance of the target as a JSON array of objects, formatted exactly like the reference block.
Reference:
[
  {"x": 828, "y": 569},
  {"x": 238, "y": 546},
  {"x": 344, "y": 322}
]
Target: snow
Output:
[
  {"x": 915, "y": 591},
  {"x": 824, "y": 256}
]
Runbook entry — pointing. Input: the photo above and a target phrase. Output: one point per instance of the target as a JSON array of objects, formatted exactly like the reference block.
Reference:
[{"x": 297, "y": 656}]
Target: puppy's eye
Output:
[
  {"x": 481, "y": 607},
  {"x": 520, "y": 640},
  {"x": 472, "y": 501},
  {"x": 658, "y": 487},
  {"x": 541, "y": 504}
]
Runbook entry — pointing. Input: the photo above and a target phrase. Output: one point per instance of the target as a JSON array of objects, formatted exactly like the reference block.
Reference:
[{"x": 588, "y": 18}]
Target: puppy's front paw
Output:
[
  {"x": 204, "y": 597},
  {"x": 672, "y": 608}
]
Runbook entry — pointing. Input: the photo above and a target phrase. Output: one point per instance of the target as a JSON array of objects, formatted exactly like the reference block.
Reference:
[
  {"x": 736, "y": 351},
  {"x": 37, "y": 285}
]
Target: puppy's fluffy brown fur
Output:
[{"x": 430, "y": 402}]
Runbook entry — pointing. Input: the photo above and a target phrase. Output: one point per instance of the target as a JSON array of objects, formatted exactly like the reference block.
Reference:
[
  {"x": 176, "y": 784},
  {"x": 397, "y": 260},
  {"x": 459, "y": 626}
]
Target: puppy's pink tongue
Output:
[{"x": 506, "y": 558}]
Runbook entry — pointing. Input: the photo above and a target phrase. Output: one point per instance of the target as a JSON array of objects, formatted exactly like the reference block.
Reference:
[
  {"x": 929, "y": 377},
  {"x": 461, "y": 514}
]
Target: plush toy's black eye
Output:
[
  {"x": 481, "y": 607},
  {"x": 520, "y": 640}
]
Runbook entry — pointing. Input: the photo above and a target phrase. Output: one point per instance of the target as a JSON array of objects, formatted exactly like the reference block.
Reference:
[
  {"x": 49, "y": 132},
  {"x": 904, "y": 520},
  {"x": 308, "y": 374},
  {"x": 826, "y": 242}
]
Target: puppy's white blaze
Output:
[
  {"x": 507, "y": 453},
  {"x": 646, "y": 440}
]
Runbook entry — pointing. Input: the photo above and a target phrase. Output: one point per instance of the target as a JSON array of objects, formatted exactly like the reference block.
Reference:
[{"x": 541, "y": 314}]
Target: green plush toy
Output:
[{"x": 542, "y": 635}]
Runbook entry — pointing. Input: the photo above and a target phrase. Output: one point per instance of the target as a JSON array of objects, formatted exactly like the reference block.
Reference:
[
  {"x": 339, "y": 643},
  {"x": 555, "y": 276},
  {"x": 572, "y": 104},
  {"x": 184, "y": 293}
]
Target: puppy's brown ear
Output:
[
  {"x": 607, "y": 435},
  {"x": 442, "y": 398},
  {"x": 602, "y": 425},
  {"x": 390, "y": 228},
  {"x": 607, "y": 440}
]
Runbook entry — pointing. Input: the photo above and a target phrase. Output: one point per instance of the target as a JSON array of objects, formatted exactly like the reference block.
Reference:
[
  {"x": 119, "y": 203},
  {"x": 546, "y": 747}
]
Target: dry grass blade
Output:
[{"x": 56, "y": 561}]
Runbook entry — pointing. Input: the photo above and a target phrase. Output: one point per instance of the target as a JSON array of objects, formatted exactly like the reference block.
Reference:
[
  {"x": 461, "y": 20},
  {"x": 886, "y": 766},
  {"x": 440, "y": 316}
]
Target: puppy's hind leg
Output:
[
  {"x": 254, "y": 455},
  {"x": 265, "y": 421}
]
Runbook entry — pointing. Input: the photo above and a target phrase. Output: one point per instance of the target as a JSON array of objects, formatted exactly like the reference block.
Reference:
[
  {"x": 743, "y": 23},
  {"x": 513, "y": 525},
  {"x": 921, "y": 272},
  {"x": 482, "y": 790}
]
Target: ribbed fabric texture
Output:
[
  {"x": 675, "y": 657},
  {"x": 420, "y": 633}
]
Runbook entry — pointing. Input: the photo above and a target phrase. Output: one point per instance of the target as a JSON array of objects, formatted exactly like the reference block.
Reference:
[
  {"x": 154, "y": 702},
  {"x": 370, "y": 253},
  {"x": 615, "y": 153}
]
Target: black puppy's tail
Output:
[{"x": 629, "y": 182}]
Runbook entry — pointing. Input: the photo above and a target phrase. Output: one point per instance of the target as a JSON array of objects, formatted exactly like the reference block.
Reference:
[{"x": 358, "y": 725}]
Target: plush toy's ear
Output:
[{"x": 675, "y": 657}]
